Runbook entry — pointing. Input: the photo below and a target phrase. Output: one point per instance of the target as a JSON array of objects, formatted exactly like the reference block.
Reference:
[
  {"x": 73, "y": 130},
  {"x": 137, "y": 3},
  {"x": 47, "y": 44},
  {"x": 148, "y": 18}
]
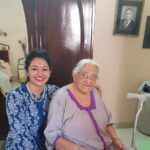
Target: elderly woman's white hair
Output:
[{"x": 84, "y": 62}]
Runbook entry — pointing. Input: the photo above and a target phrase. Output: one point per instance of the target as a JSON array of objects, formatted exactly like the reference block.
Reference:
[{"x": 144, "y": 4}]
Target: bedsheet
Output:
[
  {"x": 5, "y": 84},
  {"x": 5, "y": 76}
]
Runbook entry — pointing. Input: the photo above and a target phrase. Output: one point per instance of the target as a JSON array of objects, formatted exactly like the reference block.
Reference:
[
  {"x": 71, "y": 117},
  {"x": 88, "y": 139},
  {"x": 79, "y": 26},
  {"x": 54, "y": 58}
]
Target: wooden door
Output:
[{"x": 63, "y": 27}]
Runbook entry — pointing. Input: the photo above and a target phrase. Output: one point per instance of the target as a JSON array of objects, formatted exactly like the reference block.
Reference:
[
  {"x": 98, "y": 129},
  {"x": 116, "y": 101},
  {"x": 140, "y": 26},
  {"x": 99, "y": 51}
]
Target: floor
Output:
[
  {"x": 142, "y": 141},
  {"x": 125, "y": 134}
]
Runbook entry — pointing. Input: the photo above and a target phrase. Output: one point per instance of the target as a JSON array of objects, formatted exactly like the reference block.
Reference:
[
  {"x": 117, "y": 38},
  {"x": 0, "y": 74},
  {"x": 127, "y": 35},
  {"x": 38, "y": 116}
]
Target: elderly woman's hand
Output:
[
  {"x": 77, "y": 148},
  {"x": 118, "y": 145}
]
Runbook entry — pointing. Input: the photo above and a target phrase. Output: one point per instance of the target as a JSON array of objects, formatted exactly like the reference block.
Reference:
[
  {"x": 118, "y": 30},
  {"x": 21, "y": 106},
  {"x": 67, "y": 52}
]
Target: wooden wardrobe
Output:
[{"x": 63, "y": 27}]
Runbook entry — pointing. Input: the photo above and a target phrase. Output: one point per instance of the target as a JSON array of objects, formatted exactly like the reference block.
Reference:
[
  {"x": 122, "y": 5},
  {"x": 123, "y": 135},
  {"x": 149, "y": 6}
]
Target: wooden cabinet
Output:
[{"x": 65, "y": 28}]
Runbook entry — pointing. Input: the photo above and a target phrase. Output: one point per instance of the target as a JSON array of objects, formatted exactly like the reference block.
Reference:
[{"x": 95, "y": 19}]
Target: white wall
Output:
[
  {"x": 124, "y": 64},
  {"x": 12, "y": 21}
]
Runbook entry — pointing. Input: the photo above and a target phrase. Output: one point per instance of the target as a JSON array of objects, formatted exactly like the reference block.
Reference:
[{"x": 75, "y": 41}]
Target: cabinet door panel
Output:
[{"x": 65, "y": 29}]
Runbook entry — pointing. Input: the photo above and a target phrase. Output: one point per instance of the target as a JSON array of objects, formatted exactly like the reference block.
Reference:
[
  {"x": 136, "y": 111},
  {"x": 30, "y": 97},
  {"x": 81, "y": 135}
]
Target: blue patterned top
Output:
[{"x": 27, "y": 118}]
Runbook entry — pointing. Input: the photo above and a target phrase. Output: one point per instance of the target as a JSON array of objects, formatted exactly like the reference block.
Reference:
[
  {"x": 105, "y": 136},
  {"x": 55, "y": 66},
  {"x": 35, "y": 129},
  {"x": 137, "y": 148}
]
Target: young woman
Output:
[{"x": 27, "y": 104}]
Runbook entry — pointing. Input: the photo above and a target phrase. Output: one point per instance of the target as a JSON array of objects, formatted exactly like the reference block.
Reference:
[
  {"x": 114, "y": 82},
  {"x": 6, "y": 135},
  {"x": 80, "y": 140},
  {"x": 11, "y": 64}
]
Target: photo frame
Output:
[
  {"x": 146, "y": 41},
  {"x": 128, "y": 17}
]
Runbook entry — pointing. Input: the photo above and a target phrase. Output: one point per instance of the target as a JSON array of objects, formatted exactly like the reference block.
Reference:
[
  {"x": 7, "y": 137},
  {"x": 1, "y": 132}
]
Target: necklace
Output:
[{"x": 33, "y": 96}]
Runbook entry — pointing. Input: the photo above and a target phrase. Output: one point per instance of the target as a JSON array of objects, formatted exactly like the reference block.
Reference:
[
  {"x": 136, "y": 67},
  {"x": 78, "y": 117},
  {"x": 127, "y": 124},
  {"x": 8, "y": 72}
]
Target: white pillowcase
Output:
[{"x": 5, "y": 67}]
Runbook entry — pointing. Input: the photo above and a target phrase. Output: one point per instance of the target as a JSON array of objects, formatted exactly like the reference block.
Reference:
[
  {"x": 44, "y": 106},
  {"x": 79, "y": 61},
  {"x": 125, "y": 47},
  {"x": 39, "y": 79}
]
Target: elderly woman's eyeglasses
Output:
[{"x": 83, "y": 75}]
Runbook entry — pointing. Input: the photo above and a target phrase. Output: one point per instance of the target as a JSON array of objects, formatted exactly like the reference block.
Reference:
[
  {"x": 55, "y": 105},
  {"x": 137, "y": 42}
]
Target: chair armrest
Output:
[{"x": 140, "y": 97}]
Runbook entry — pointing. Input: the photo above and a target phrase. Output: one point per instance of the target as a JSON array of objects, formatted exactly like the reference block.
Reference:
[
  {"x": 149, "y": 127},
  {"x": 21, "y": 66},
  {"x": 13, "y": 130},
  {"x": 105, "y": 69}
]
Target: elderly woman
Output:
[{"x": 78, "y": 119}]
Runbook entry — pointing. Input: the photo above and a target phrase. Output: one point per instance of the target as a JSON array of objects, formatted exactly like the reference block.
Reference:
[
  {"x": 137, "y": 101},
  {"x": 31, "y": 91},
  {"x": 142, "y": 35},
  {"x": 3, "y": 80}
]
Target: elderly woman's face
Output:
[{"x": 85, "y": 80}]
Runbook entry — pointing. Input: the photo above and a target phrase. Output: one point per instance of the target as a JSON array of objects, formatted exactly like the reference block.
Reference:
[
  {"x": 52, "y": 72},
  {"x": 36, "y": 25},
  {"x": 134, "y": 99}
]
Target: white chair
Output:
[{"x": 141, "y": 98}]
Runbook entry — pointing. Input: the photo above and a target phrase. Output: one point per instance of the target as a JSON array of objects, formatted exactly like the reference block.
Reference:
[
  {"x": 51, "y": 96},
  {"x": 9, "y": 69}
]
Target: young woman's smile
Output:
[{"x": 38, "y": 72}]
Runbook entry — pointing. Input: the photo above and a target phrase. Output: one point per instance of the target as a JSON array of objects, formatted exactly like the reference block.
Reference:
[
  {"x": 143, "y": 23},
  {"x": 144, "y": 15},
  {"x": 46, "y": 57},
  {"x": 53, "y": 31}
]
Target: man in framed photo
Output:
[{"x": 127, "y": 24}]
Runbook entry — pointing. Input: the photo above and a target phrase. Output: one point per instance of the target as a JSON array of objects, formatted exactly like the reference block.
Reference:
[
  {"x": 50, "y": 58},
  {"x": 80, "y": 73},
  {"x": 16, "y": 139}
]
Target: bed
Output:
[
  {"x": 5, "y": 72},
  {"x": 5, "y": 86}
]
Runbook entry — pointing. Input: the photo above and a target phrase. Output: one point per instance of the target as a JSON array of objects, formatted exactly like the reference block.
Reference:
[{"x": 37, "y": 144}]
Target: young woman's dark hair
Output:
[{"x": 37, "y": 53}]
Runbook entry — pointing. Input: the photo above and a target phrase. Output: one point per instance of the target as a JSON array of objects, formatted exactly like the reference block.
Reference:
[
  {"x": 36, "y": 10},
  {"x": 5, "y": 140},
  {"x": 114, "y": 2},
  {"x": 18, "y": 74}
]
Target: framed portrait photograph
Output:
[
  {"x": 146, "y": 41},
  {"x": 128, "y": 17}
]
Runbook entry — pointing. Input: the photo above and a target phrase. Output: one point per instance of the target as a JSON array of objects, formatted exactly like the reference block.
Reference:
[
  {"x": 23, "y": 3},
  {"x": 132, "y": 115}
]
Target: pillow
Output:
[
  {"x": 5, "y": 67},
  {"x": 1, "y": 63}
]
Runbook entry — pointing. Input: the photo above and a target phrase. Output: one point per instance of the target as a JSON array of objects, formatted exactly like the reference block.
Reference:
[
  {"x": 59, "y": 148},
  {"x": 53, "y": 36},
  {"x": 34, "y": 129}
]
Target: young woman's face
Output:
[
  {"x": 38, "y": 72},
  {"x": 85, "y": 80}
]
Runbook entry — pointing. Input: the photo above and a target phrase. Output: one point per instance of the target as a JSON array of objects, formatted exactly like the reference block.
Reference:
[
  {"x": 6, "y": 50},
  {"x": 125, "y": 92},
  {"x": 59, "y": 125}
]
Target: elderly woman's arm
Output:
[
  {"x": 67, "y": 145},
  {"x": 116, "y": 140}
]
